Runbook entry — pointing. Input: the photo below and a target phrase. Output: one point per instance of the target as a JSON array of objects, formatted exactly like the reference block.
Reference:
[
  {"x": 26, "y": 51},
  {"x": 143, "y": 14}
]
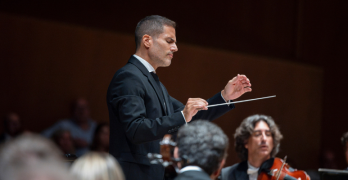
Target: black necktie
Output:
[{"x": 154, "y": 75}]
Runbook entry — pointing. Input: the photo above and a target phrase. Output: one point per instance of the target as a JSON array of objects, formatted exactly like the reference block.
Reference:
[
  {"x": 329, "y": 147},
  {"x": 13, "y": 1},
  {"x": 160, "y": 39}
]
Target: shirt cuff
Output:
[
  {"x": 225, "y": 100},
  {"x": 183, "y": 116}
]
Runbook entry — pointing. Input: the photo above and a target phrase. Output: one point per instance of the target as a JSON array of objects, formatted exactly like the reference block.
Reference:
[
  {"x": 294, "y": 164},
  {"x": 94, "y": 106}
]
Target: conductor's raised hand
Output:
[
  {"x": 192, "y": 106},
  {"x": 236, "y": 87}
]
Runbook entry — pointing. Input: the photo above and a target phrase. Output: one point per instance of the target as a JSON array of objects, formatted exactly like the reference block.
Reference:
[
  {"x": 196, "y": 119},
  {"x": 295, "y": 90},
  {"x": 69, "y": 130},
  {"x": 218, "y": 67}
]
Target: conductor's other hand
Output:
[
  {"x": 236, "y": 87},
  {"x": 192, "y": 106}
]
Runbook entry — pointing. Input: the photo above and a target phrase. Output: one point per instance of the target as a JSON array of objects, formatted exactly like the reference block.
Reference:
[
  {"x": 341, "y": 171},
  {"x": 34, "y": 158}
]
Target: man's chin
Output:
[
  {"x": 166, "y": 63},
  {"x": 265, "y": 154}
]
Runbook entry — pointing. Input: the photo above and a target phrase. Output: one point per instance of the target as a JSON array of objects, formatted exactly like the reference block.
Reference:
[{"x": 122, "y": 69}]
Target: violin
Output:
[
  {"x": 280, "y": 171},
  {"x": 166, "y": 158}
]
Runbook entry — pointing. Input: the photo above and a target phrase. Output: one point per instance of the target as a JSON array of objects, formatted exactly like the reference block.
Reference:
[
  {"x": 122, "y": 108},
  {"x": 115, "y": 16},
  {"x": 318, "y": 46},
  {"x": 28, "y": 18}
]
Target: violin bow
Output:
[{"x": 280, "y": 170}]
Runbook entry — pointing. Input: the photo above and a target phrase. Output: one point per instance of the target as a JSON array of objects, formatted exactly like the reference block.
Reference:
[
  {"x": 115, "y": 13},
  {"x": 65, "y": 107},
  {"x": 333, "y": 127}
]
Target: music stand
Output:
[{"x": 333, "y": 174}]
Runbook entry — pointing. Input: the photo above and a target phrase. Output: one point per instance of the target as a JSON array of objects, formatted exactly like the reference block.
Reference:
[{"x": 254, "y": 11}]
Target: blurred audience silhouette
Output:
[
  {"x": 80, "y": 125},
  {"x": 328, "y": 159},
  {"x": 101, "y": 138},
  {"x": 97, "y": 166},
  {"x": 64, "y": 141},
  {"x": 344, "y": 141},
  {"x": 12, "y": 127}
]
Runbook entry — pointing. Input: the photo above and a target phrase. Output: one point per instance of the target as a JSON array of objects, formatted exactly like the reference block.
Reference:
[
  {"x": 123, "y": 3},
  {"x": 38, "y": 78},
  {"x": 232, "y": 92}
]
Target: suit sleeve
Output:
[
  {"x": 126, "y": 96},
  {"x": 212, "y": 113}
]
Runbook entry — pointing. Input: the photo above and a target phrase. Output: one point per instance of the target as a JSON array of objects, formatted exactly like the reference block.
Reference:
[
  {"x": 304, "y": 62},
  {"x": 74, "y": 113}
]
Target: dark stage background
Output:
[{"x": 52, "y": 53}]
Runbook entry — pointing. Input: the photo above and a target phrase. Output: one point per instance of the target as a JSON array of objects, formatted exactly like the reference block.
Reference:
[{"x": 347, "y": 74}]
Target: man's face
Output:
[
  {"x": 260, "y": 142},
  {"x": 163, "y": 47},
  {"x": 103, "y": 136},
  {"x": 81, "y": 112},
  {"x": 13, "y": 124}
]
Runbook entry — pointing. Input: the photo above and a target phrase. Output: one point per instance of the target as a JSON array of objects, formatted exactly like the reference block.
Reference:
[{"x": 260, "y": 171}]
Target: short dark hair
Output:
[
  {"x": 151, "y": 25},
  {"x": 202, "y": 143},
  {"x": 344, "y": 140},
  {"x": 246, "y": 128}
]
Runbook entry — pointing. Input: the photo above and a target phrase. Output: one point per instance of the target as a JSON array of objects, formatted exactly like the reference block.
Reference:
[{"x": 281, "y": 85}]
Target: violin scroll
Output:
[{"x": 166, "y": 158}]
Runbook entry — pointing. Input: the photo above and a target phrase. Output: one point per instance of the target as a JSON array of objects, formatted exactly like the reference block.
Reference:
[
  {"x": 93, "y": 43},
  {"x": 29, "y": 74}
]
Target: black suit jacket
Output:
[
  {"x": 193, "y": 175},
  {"x": 239, "y": 171},
  {"x": 138, "y": 119}
]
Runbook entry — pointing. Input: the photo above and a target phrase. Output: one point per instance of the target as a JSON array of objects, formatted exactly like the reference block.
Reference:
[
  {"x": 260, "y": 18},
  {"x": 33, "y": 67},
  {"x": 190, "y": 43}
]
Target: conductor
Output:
[{"x": 141, "y": 111}]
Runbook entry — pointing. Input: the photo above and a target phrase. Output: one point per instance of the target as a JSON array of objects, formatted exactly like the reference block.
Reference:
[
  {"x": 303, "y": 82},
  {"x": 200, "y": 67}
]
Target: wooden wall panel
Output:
[
  {"x": 259, "y": 27},
  {"x": 45, "y": 65}
]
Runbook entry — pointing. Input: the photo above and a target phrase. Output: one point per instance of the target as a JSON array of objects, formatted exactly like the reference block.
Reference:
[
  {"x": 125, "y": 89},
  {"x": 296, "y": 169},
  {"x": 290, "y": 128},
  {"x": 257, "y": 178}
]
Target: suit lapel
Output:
[
  {"x": 242, "y": 171},
  {"x": 152, "y": 81},
  {"x": 266, "y": 166}
]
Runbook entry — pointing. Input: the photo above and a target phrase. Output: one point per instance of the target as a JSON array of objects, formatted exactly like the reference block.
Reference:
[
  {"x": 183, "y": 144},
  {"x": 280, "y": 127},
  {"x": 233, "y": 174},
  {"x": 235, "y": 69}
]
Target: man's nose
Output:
[
  {"x": 263, "y": 136},
  {"x": 174, "y": 48}
]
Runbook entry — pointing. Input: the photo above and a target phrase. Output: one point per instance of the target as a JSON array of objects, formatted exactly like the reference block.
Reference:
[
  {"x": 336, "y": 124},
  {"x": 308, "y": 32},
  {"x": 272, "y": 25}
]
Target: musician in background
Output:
[
  {"x": 344, "y": 140},
  {"x": 202, "y": 148},
  {"x": 257, "y": 141}
]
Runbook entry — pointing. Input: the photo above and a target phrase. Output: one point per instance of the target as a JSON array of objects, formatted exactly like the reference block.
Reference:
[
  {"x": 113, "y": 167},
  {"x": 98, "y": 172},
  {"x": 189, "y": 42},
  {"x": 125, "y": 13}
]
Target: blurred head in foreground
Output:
[
  {"x": 203, "y": 144},
  {"x": 29, "y": 154},
  {"x": 97, "y": 166}
]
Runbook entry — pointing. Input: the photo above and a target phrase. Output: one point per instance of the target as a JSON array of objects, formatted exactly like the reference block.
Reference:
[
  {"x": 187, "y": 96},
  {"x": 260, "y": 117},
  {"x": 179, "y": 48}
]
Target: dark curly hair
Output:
[{"x": 246, "y": 128}]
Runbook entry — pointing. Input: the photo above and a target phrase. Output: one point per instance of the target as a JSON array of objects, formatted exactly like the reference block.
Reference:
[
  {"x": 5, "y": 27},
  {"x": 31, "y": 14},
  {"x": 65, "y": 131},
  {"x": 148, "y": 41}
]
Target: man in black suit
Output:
[
  {"x": 257, "y": 141},
  {"x": 202, "y": 149},
  {"x": 140, "y": 109}
]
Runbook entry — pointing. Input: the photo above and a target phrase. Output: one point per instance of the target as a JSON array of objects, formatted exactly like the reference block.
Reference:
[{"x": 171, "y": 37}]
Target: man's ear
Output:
[
  {"x": 176, "y": 155},
  {"x": 147, "y": 41},
  {"x": 218, "y": 171},
  {"x": 246, "y": 144}
]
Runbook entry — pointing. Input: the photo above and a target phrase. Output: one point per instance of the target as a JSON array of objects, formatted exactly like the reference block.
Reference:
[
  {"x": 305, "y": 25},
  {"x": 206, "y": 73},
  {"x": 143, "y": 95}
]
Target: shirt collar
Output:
[
  {"x": 252, "y": 169},
  {"x": 145, "y": 63},
  {"x": 190, "y": 168}
]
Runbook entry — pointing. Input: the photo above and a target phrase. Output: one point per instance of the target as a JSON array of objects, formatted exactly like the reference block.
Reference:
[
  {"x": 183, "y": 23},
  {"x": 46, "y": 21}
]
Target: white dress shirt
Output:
[
  {"x": 190, "y": 168},
  {"x": 252, "y": 172}
]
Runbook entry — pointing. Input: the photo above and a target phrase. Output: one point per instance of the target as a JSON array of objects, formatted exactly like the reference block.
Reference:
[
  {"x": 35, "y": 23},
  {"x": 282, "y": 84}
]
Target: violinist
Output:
[
  {"x": 202, "y": 149},
  {"x": 257, "y": 141}
]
